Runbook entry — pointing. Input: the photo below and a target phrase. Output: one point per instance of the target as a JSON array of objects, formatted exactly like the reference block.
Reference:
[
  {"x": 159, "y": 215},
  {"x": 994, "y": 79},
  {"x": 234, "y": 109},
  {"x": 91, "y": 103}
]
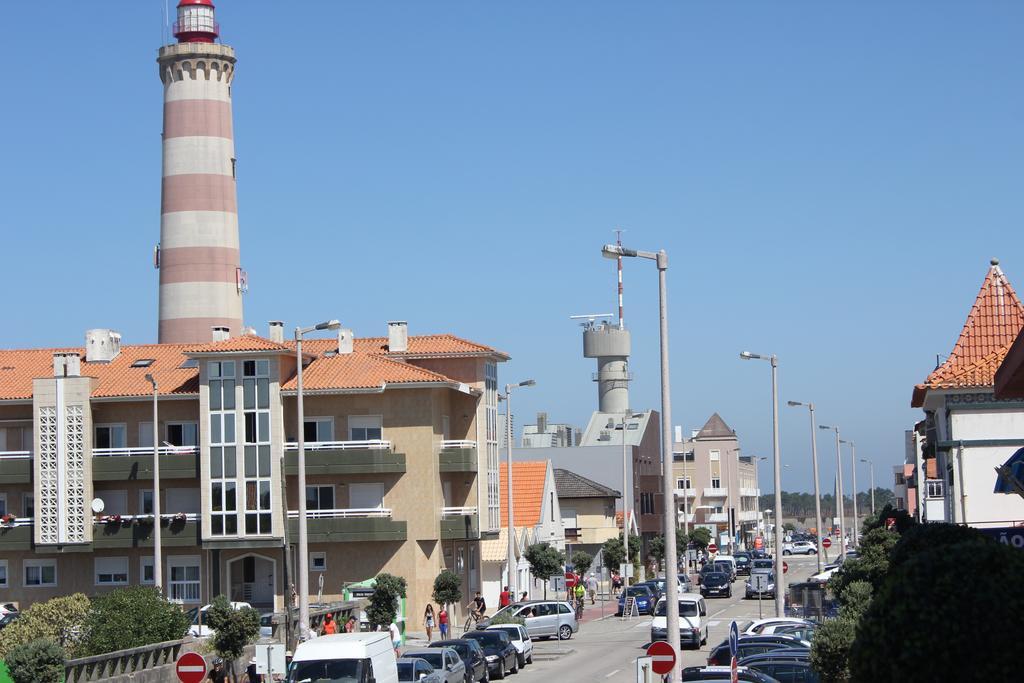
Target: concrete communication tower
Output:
[
  {"x": 610, "y": 345},
  {"x": 201, "y": 280}
]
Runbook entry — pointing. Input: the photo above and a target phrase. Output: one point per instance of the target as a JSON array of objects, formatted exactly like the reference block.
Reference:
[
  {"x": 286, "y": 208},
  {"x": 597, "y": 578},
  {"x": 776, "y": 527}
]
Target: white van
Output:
[
  {"x": 693, "y": 622},
  {"x": 345, "y": 658},
  {"x": 732, "y": 563}
]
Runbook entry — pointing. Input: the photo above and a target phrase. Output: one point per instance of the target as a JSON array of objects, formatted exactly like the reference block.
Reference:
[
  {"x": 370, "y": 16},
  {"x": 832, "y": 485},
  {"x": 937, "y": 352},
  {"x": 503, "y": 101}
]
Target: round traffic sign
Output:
[
  {"x": 190, "y": 667},
  {"x": 785, "y": 567},
  {"x": 826, "y": 543},
  {"x": 570, "y": 580},
  {"x": 663, "y": 657},
  {"x": 758, "y": 543},
  {"x": 712, "y": 548}
]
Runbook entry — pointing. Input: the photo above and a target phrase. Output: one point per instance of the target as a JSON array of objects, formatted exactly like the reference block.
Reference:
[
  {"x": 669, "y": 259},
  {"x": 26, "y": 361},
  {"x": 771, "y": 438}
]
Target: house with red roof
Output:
[{"x": 968, "y": 429}]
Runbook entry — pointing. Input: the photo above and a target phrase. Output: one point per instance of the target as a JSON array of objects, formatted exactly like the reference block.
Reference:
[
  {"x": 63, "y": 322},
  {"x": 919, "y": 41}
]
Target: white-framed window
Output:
[
  {"x": 40, "y": 573},
  {"x": 365, "y": 428},
  {"x": 460, "y": 560},
  {"x": 569, "y": 518},
  {"x": 934, "y": 488},
  {"x": 320, "y": 497},
  {"x": 683, "y": 483},
  {"x": 146, "y": 502},
  {"x": 110, "y": 436},
  {"x": 182, "y": 433},
  {"x": 318, "y": 429},
  {"x": 256, "y": 446},
  {"x": 367, "y": 495},
  {"x": 718, "y": 510},
  {"x": 183, "y": 578},
  {"x": 111, "y": 571},
  {"x": 3, "y": 573},
  {"x": 715, "y": 456},
  {"x": 114, "y": 502},
  {"x": 716, "y": 483},
  {"x": 146, "y": 573},
  {"x": 318, "y": 562},
  {"x": 491, "y": 414},
  {"x": 223, "y": 465}
]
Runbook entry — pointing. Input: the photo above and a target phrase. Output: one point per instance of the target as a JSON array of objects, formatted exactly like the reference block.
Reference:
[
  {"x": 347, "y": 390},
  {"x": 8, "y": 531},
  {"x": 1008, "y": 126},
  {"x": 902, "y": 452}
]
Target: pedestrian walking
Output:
[
  {"x": 330, "y": 626},
  {"x": 396, "y": 636},
  {"x": 505, "y": 599},
  {"x": 524, "y": 597},
  {"x": 428, "y": 621},
  {"x": 592, "y": 587},
  {"x": 351, "y": 626},
  {"x": 442, "y": 622}
]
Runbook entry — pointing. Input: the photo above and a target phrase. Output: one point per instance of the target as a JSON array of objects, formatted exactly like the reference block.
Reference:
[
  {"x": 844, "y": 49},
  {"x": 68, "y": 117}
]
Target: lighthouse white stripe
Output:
[
  {"x": 202, "y": 89},
  {"x": 199, "y": 229},
  {"x": 198, "y": 154},
  {"x": 200, "y": 300}
]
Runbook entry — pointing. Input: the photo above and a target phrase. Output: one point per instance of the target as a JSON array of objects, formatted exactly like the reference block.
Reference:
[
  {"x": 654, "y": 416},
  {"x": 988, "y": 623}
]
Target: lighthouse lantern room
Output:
[{"x": 195, "y": 22}]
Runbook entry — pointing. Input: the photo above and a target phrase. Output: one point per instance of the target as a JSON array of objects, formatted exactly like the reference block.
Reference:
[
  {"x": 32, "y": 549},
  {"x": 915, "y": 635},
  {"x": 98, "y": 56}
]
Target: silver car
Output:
[
  {"x": 417, "y": 670},
  {"x": 447, "y": 663},
  {"x": 543, "y": 618}
]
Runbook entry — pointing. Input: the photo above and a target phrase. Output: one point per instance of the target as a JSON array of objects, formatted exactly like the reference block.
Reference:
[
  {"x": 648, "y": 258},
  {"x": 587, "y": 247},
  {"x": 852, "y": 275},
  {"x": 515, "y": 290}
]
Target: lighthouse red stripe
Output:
[
  {"x": 180, "y": 330},
  {"x": 197, "y": 117},
  {"x": 198, "y": 264},
  {"x": 198, "y": 192}
]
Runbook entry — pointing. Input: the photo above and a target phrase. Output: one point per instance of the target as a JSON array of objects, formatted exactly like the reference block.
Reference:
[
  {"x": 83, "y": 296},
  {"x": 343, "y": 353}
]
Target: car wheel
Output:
[
  {"x": 522, "y": 660},
  {"x": 501, "y": 670},
  {"x": 813, "y": 552},
  {"x": 529, "y": 660},
  {"x": 729, "y": 594},
  {"x": 487, "y": 675},
  {"x": 786, "y": 552},
  {"x": 515, "y": 664},
  {"x": 564, "y": 632}
]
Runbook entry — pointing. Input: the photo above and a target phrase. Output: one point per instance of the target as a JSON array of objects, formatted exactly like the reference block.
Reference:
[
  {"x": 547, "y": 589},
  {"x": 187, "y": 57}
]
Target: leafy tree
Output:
[
  {"x": 924, "y": 537},
  {"x": 878, "y": 521},
  {"x": 58, "y": 619},
  {"x": 855, "y": 600},
  {"x": 383, "y": 609},
  {"x": 545, "y": 561},
  {"x": 447, "y": 588},
  {"x": 788, "y": 526},
  {"x": 581, "y": 561},
  {"x": 232, "y": 628},
  {"x": 871, "y": 566},
  {"x": 830, "y": 649},
  {"x": 131, "y": 617},
  {"x": 613, "y": 553},
  {"x": 701, "y": 537},
  {"x": 37, "y": 661},
  {"x": 656, "y": 546},
  {"x": 920, "y": 620}
]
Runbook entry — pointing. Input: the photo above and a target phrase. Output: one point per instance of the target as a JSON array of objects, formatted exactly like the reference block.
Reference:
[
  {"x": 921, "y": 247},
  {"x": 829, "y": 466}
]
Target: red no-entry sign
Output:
[
  {"x": 712, "y": 548},
  {"x": 785, "y": 567},
  {"x": 826, "y": 543},
  {"x": 190, "y": 667},
  {"x": 570, "y": 580},
  {"x": 663, "y": 657}
]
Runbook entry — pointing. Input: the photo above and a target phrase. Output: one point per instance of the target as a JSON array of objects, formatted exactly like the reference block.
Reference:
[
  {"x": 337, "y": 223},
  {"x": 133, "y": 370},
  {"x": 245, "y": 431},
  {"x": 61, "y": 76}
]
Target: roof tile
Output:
[{"x": 527, "y": 492}]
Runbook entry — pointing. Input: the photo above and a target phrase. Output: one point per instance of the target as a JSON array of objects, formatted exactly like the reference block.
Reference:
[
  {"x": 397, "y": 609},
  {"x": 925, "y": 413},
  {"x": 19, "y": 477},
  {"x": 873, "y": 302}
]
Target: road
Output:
[{"x": 606, "y": 649}]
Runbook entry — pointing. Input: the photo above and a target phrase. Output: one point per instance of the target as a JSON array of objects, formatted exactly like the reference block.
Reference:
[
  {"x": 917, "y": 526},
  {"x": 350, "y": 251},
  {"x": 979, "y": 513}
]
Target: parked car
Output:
[
  {"x": 716, "y": 566},
  {"x": 657, "y": 589},
  {"x": 784, "y": 665},
  {"x": 445, "y": 661},
  {"x": 716, "y": 584},
  {"x": 417, "y": 670},
  {"x": 766, "y": 590},
  {"x": 345, "y": 656},
  {"x": 824, "y": 575},
  {"x": 642, "y": 596},
  {"x": 199, "y": 627},
  {"x": 753, "y": 645},
  {"x": 760, "y": 555},
  {"x": 729, "y": 561},
  {"x": 742, "y": 563},
  {"x": 801, "y": 631},
  {"x": 762, "y": 563},
  {"x": 472, "y": 656},
  {"x": 693, "y": 625},
  {"x": 7, "y": 618},
  {"x": 8, "y": 607},
  {"x": 800, "y": 548},
  {"x": 499, "y": 652},
  {"x": 544, "y": 618},
  {"x": 768, "y": 625},
  {"x": 521, "y": 641},
  {"x": 681, "y": 577},
  {"x": 724, "y": 673}
]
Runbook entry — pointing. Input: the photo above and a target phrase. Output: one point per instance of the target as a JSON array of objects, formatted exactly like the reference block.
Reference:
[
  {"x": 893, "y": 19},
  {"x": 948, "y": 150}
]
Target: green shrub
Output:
[
  {"x": 447, "y": 588},
  {"x": 830, "y": 649},
  {"x": 131, "y": 617},
  {"x": 232, "y": 628},
  {"x": 37, "y": 661},
  {"x": 383, "y": 609},
  {"x": 58, "y": 619},
  {"x": 507, "y": 618}
]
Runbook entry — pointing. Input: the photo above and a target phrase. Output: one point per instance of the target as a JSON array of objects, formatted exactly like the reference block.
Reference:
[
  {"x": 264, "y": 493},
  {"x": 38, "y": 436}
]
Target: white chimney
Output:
[
  {"x": 398, "y": 336},
  {"x": 679, "y": 433},
  {"x": 346, "y": 340},
  {"x": 101, "y": 345},
  {"x": 67, "y": 364},
  {"x": 221, "y": 333},
  {"x": 694, "y": 433},
  {"x": 276, "y": 331}
]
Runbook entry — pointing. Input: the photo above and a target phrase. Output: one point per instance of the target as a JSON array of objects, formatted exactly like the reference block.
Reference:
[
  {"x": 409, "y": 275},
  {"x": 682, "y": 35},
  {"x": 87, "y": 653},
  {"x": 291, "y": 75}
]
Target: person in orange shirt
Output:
[{"x": 330, "y": 627}]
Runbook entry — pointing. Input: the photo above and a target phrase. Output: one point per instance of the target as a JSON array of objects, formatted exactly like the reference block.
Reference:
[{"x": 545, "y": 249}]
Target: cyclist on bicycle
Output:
[{"x": 479, "y": 606}]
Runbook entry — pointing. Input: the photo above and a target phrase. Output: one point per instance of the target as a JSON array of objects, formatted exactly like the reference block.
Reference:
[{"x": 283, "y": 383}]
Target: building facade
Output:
[{"x": 588, "y": 511}]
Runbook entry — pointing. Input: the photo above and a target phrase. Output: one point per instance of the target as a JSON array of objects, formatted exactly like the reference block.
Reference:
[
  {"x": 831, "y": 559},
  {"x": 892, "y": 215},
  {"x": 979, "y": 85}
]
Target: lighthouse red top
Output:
[{"x": 195, "y": 22}]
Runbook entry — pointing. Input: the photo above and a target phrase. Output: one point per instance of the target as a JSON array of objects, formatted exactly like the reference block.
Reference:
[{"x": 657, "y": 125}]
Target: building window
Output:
[
  {"x": 146, "y": 574},
  {"x": 184, "y": 578},
  {"x": 934, "y": 488},
  {"x": 111, "y": 571},
  {"x": 318, "y": 562},
  {"x": 40, "y": 573},
  {"x": 256, "y": 407},
  {"x": 552, "y": 505},
  {"x": 460, "y": 560},
  {"x": 114, "y": 502},
  {"x": 109, "y": 436},
  {"x": 368, "y": 496},
  {"x": 146, "y": 502},
  {"x": 365, "y": 428},
  {"x": 318, "y": 429},
  {"x": 715, "y": 456},
  {"x": 182, "y": 433},
  {"x": 319, "y": 497},
  {"x": 3, "y": 504},
  {"x": 3, "y": 573},
  {"x": 900, "y": 480},
  {"x": 491, "y": 414},
  {"x": 684, "y": 483},
  {"x": 899, "y": 504},
  {"x": 716, "y": 483},
  {"x": 223, "y": 465},
  {"x": 28, "y": 506},
  {"x": 472, "y": 569}
]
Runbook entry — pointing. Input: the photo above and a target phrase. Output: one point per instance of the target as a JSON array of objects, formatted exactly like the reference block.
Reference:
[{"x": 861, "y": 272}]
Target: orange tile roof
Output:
[
  {"x": 247, "y": 342},
  {"x": 994, "y": 321},
  {"x": 359, "y": 371},
  {"x": 527, "y": 492},
  {"x": 428, "y": 345}
]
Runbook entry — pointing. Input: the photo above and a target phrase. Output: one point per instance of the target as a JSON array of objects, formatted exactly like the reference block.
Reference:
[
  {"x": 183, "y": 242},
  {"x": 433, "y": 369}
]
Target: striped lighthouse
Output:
[{"x": 201, "y": 280}]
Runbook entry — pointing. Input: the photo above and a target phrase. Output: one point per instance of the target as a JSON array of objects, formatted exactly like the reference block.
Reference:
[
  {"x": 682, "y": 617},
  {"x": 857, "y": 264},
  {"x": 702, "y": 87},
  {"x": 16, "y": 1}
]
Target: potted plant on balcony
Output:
[
  {"x": 112, "y": 519},
  {"x": 8, "y": 520}
]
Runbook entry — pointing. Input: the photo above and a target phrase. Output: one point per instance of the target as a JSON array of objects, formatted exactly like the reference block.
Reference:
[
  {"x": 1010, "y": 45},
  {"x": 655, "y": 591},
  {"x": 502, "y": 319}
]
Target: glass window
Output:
[
  {"x": 40, "y": 573},
  {"x": 318, "y": 562},
  {"x": 183, "y": 585},
  {"x": 318, "y": 429},
  {"x": 3, "y": 504},
  {"x": 109, "y": 436},
  {"x": 146, "y": 502},
  {"x": 365, "y": 428},
  {"x": 3, "y": 573},
  {"x": 28, "y": 505},
  {"x": 183, "y": 433},
  {"x": 320, "y": 497},
  {"x": 146, "y": 570},
  {"x": 111, "y": 571}
]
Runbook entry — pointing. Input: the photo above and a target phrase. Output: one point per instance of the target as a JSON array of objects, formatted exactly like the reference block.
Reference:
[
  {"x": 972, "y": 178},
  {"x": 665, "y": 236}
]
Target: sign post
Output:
[
  {"x": 190, "y": 668},
  {"x": 826, "y": 543},
  {"x": 663, "y": 657},
  {"x": 643, "y": 670}
]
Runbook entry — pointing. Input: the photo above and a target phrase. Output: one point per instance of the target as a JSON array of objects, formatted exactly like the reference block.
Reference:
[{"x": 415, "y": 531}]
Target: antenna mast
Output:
[{"x": 618, "y": 261}]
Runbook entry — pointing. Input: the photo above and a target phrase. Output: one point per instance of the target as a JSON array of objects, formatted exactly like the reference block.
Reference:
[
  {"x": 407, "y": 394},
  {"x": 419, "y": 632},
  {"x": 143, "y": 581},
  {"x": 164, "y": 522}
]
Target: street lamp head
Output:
[
  {"x": 865, "y": 460},
  {"x": 151, "y": 380},
  {"x": 828, "y": 427},
  {"x": 794, "y": 403},
  {"x": 528, "y": 383},
  {"x": 329, "y": 325},
  {"x": 848, "y": 443},
  {"x": 747, "y": 355},
  {"x": 612, "y": 251}
]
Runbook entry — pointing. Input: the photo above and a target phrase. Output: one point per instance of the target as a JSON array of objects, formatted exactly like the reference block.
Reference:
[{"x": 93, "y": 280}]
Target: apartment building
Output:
[
  {"x": 588, "y": 510},
  {"x": 401, "y": 464},
  {"x": 719, "y": 484}
]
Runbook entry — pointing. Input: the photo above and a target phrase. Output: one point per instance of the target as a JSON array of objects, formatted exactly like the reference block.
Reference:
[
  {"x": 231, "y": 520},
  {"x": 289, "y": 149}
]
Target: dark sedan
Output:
[
  {"x": 787, "y": 664},
  {"x": 724, "y": 673},
  {"x": 755, "y": 645},
  {"x": 472, "y": 656},
  {"x": 742, "y": 563},
  {"x": 499, "y": 651},
  {"x": 642, "y": 596},
  {"x": 716, "y": 584}
]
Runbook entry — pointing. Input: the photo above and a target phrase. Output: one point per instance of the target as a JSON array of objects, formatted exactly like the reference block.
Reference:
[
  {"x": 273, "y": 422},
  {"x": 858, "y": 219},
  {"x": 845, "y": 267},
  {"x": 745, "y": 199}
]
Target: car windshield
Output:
[
  {"x": 436, "y": 659},
  {"x": 714, "y": 577},
  {"x": 330, "y": 671},
  {"x": 763, "y": 564},
  {"x": 638, "y": 590},
  {"x": 686, "y": 608},
  {"x": 490, "y": 640},
  {"x": 461, "y": 648}
]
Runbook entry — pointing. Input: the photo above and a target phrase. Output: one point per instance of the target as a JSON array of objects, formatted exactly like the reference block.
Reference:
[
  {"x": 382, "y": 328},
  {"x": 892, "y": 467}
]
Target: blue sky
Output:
[{"x": 829, "y": 180}]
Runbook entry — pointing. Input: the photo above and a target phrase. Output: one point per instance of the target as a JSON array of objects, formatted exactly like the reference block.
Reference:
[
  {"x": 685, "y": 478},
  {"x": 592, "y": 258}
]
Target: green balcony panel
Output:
[
  {"x": 129, "y": 467},
  {"x": 350, "y": 529},
  {"x": 460, "y": 527},
  {"x": 15, "y": 470},
  {"x": 458, "y": 460},
  {"x": 140, "y": 535},
  {"x": 15, "y": 538},
  {"x": 347, "y": 461}
]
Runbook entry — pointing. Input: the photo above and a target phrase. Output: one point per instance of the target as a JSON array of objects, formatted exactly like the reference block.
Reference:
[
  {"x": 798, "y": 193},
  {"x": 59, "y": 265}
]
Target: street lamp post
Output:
[
  {"x": 303, "y": 550},
  {"x": 668, "y": 484},
  {"x": 853, "y": 467},
  {"x": 871, "y": 464},
  {"x": 780, "y": 581},
  {"x": 814, "y": 461},
  {"x": 757, "y": 480},
  {"x": 840, "y": 507},
  {"x": 158, "y": 574},
  {"x": 512, "y": 586}
]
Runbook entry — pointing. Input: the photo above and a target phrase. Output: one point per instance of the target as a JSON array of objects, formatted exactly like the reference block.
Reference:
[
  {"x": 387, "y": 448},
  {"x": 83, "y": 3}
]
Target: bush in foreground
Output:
[
  {"x": 131, "y": 617},
  {"x": 37, "y": 661}
]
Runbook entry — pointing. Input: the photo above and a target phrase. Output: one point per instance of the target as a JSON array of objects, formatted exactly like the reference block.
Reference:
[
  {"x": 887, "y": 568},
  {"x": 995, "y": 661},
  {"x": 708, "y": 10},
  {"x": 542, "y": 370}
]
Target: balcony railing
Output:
[
  {"x": 691, "y": 518},
  {"x": 372, "y": 445},
  {"x": 128, "y": 519},
  {"x": 458, "y": 443},
  {"x": 459, "y": 523},
  {"x": 145, "y": 450},
  {"x": 16, "y": 522},
  {"x": 342, "y": 512},
  {"x": 458, "y": 456},
  {"x": 748, "y": 516},
  {"x": 717, "y": 517},
  {"x": 349, "y": 525},
  {"x": 712, "y": 492},
  {"x": 457, "y": 512},
  {"x": 750, "y": 493},
  {"x": 689, "y": 493},
  {"x": 15, "y": 455}
]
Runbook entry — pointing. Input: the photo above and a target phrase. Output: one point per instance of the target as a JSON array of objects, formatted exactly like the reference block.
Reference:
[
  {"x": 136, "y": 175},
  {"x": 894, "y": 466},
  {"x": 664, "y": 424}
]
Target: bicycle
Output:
[
  {"x": 579, "y": 608},
  {"x": 471, "y": 622}
]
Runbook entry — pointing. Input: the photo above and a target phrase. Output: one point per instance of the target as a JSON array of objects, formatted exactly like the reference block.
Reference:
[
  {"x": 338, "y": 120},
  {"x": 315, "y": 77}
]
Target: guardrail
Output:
[
  {"x": 145, "y": 450},
  {"x": 375, "y": 444},
  {"x": 457, "y": 511},
  {"x": 122, "y": 662},
  {"x": 342, "y": 512},
  {"x": 464, "y": 443}
]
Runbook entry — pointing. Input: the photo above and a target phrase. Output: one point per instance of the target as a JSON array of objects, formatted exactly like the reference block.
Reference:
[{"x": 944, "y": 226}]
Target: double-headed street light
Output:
[
  {"x": 840, "y": 507},
  {"x": 158, "y": 574},
  {"x": 853, "y": 467},
  {"x": 871, "y": 464},
  {"x": 614, "y": 251},
  {"x": 304, "y": 633},
  {"x": 512, "y": 587},
  {"x": 814, "y": 461},
  {"x": 780, "y": 580}
]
